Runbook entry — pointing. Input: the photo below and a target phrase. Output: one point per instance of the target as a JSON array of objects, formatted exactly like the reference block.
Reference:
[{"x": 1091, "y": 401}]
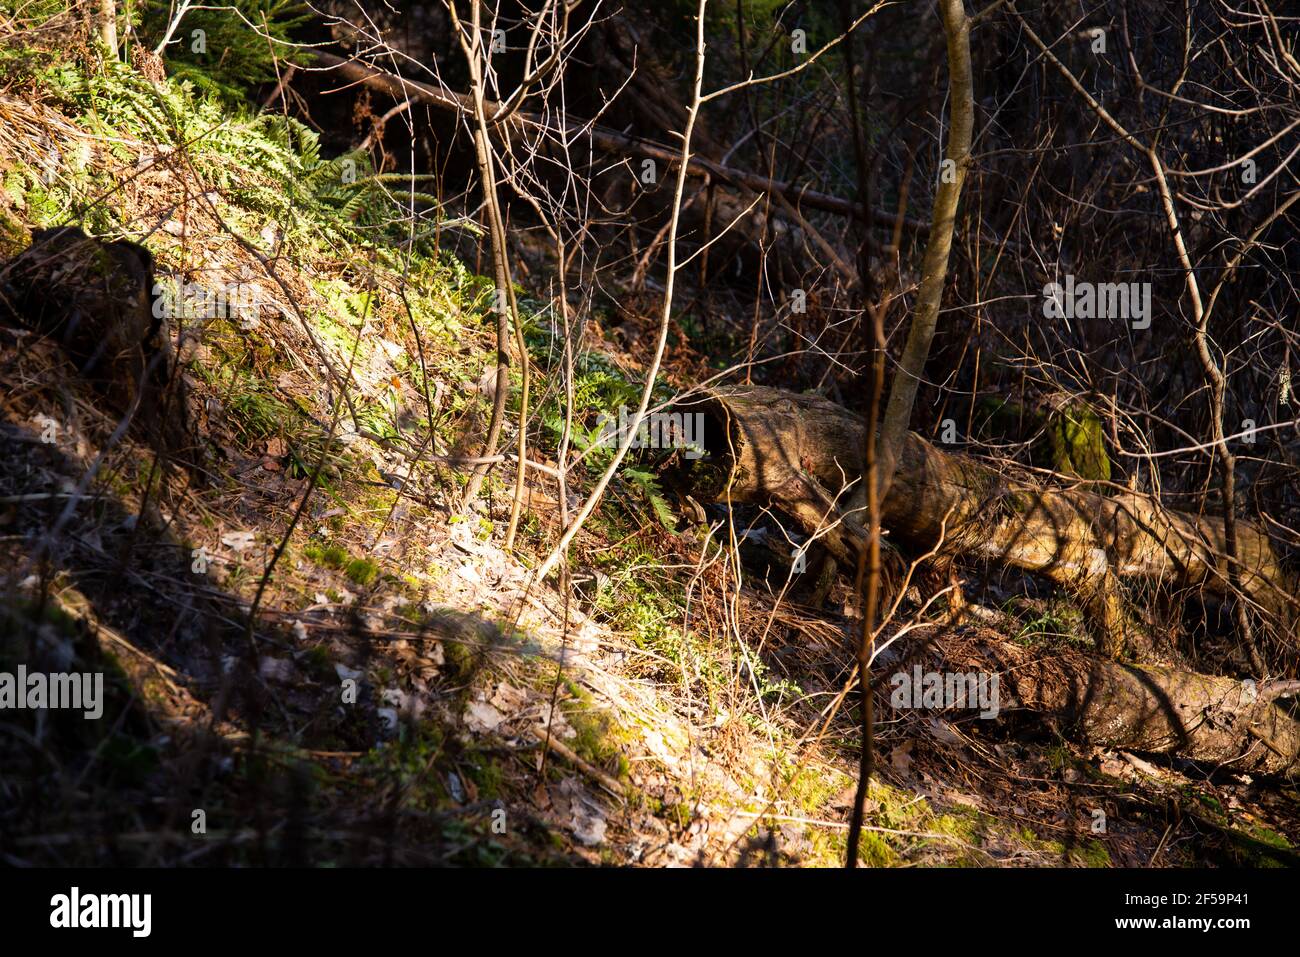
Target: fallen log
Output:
[
  {"x": 401, "y": 88},
  {"x": 1158, "y": 710},
  {"x": 802, "y": 453}
]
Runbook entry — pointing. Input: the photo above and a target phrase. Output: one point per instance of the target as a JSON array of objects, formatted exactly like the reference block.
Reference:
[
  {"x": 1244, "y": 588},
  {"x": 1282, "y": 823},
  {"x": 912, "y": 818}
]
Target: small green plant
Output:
[{"x": 1054, "y": 621}]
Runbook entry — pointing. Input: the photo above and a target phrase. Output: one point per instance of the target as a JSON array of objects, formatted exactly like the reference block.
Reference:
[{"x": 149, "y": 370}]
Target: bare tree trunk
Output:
[
  {"x": 504, "y": 301},
  {"x": 934, "y": 270},
  {"x": 106, "y": 25},
  {"x": 665, "y": 316}
]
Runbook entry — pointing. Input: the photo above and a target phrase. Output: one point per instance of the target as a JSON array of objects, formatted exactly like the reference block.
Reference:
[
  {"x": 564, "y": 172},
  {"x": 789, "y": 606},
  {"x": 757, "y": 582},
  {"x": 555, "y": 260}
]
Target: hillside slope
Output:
[{"x": 319, "y": 654}]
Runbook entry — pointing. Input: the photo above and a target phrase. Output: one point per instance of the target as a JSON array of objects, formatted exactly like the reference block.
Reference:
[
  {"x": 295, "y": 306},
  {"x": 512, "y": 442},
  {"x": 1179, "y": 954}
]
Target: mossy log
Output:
[{"x": 802, "y": 452}]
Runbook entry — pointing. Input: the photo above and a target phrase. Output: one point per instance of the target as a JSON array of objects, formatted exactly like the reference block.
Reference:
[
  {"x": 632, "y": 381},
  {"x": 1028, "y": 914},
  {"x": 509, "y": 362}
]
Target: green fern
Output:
[
  {"x": 649, "y": 486},
  {"x": 241, "y": 42}
]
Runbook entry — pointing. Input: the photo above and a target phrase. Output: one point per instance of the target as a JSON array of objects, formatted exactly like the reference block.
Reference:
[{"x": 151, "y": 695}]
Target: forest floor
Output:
[{"x": 406, "y": 691}]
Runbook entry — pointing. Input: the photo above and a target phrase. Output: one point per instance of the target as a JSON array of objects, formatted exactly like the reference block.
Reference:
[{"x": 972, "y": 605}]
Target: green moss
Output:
[
  {"x": 874, "y": 850},
  {"x": 1208, "y": 800},
  {"x": 1254, "y": 845},
  {"x": 1071, "y": 443},
  {"x": 362, "y": 571},
  {"x": 329, "y": 556},
  {"x": 459, "y": 660},
  {"x": 14, "y": 236},
  {"x": 599, "y": 739},
  {"x": 488, "y": 776},
  {"x": 809, "y": 788},
  {"x": 970, "y": 827},
  {"x": 1076, "y": 443},
  {"x": 676, "y": 815},
  {"x": 1091, "y": 853}
]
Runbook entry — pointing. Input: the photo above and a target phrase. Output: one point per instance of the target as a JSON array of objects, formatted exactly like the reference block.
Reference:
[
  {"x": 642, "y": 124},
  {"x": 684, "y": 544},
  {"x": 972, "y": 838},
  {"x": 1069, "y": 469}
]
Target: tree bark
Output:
[
  {"x": 1135, "y": 707},
  {"x": 106, "y": 24}
]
